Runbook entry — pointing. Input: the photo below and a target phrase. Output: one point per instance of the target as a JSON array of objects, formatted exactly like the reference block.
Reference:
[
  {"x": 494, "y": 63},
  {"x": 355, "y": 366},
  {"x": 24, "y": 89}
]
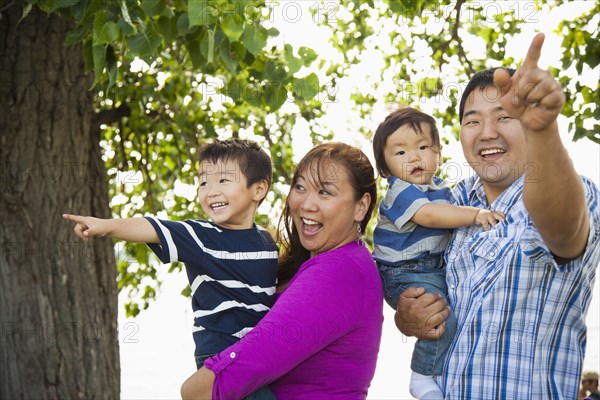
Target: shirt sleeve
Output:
[
  {"x": 316, "y": 309},
  {"x": 178, "y": 241},
  {"x": 401, "y": 202},
  {"x": 591, "y": 255}
]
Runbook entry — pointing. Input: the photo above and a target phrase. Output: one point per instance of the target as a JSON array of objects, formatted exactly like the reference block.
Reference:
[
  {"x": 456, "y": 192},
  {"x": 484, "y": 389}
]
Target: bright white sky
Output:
[{"x": 157, "y": 346}]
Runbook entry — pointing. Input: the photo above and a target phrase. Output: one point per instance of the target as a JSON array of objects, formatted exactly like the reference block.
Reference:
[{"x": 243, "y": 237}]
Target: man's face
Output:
[{"x": 493, "y": 142}]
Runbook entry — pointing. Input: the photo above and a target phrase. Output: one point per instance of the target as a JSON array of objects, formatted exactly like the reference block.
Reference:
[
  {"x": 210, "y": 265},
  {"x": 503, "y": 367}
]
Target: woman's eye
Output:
[
  {"x": 505, "y": 118},
  {"x": 324, "y": 192},
  {"x": 298, "y": 186}
]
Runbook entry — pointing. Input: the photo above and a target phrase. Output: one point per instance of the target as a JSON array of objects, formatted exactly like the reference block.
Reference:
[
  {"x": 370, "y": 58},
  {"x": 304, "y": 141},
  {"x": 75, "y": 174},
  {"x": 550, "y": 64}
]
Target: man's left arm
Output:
[{"x": 554, "y": 195}]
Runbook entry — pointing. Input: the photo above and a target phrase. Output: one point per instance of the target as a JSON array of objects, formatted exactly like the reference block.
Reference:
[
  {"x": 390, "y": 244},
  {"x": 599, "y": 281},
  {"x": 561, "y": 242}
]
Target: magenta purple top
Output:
[{"x": 320, "y": 339}]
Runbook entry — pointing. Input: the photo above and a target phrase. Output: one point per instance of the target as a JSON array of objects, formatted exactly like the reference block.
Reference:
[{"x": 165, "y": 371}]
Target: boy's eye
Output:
[
  {"x": 223, "y": 180},
  {"x": 202, "y": 184},
  {"x": 423, "y": 147}
]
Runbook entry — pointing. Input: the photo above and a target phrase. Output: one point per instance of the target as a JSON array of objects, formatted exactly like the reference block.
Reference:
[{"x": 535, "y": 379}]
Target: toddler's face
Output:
[{"x": 410, "y": 155}]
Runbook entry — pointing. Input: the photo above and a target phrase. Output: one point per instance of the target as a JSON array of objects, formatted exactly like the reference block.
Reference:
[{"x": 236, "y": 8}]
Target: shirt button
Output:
[
  {"x": 232, "y": 355},
  {"x": 453, "y": 286}
]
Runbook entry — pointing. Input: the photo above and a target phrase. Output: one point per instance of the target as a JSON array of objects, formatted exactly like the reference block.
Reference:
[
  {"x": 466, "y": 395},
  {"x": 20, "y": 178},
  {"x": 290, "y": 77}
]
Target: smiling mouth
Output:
[
  {"x": 218, "y": 206},
  {"x": 491, "y": 153},
  {"x": 310, "y": 226}
]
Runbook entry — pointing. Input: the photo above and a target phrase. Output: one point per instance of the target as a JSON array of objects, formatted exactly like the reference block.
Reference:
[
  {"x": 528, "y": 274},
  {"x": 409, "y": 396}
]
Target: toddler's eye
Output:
[{"x": 400, "y": 153}]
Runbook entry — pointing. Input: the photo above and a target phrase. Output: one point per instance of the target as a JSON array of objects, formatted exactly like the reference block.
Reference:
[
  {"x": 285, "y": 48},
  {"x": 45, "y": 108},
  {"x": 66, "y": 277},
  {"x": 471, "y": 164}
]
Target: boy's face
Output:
[
  {"x": 410, "y": 155},
  {"x": 225, "y": 197}
]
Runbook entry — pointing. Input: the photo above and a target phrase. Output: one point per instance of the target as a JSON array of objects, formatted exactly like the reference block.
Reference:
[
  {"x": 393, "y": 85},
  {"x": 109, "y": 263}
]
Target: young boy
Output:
[
  {"x": 231, "y": 263},
  {"x": 413, "y": 227}
]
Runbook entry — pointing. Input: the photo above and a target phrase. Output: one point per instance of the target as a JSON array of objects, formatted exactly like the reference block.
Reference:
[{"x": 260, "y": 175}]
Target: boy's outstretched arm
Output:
[
  {"x": 128, "y": 229},
  {"x": 448, "y": 216}
]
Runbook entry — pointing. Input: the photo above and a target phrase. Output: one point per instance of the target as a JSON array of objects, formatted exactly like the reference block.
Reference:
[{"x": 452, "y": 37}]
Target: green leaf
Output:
[
  {"x": 254, "y": 39},
  {"x": 193, "y": 48},
  {"x": 153, "y": 7},
  {"x": 275, "y": 95},
  {"x": 111, "y": 67},
  {"x": 306, "y": 88},
  {"x": 274, "y": 71},
  {"x": 233, "y": 26},
  {"x": 183, "y": 24},
  {"x": 308, "y": 55},
  {"x": 293, "y": 63},
  {"x": 144, "y": 44},
  {"x": 106, "y": 34},
  {"x": 167, "y": 27},
  {"x": 76, "y": 36},
  {"x": 201, "y": 13},
  {"x": 88, "y": 55},
  {"x": 99, "y": 56}
]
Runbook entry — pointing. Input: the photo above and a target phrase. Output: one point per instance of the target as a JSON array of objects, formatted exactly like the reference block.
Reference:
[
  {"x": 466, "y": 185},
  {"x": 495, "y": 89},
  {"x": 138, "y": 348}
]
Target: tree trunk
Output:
[{"x": 58, "y": 296}]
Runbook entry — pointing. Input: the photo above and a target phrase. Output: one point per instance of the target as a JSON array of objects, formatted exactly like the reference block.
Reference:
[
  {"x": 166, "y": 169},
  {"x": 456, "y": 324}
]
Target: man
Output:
[
  {"x": 520, "y": 291},
  {"x": 589, "y": 383}
]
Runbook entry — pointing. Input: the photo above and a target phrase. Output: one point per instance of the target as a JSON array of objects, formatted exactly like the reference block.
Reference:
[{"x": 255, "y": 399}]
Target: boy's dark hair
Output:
[
  {"x": 480, "y": 81},
  {"x": 402, "y": 116},
  {"x": 254, "y": 162}
]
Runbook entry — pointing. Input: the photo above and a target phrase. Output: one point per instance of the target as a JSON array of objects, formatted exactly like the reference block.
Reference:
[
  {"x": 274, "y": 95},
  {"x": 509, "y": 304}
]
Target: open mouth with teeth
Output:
[
  {"x": 310, "y": 226},
  {"x": 489, "y": 154},
  {"x": 218, "y": 206}
]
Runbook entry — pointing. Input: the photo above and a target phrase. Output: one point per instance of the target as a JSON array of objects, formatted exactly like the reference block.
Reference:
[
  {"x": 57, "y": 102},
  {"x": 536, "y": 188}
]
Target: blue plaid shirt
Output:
[{"x": 521, "y": 317}]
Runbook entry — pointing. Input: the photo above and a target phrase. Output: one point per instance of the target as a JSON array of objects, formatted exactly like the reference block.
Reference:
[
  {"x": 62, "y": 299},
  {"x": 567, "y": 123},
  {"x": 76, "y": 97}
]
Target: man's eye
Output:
[
  {"x": 471, "y": 123},
  {"x": 505, "y": 118}
]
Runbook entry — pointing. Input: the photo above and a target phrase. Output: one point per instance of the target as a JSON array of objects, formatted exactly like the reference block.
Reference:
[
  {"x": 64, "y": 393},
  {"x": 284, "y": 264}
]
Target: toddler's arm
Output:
[
  {"x": 128, "y": 229},
  {"x": 450, "y": 216}
]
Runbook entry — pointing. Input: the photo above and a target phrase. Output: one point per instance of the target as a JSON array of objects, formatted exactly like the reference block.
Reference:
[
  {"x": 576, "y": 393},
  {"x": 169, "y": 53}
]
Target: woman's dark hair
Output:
[
  {"x": 480, "y": 80},
  {"x": 362, "y": 178},
  {"x": 402, "y": 116}
]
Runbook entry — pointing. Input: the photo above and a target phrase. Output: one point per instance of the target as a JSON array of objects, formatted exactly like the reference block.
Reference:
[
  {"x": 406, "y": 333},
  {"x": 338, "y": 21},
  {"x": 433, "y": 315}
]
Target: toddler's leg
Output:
[{"x": 424, "y": 387}]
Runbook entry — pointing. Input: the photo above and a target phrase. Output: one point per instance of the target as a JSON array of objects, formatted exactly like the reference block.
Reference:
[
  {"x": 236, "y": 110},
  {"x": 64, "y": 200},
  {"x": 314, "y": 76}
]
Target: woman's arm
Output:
[
  {"x": 199, "y": 385},
  {"x": 288, "y": 334}
]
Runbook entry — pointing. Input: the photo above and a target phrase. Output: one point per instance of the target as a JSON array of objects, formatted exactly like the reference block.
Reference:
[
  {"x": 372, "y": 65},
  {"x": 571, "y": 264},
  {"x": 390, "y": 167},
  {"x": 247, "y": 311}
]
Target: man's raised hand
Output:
[{"x": 532, "y": 95}]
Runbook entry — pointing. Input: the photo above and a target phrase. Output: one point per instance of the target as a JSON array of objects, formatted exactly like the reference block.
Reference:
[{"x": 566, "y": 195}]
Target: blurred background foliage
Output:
[{"x": 173, "y": 74}]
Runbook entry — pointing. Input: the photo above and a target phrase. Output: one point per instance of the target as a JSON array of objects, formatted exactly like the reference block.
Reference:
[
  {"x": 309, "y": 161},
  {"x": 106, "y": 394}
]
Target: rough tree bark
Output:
[{"x": 58, "y": 296}]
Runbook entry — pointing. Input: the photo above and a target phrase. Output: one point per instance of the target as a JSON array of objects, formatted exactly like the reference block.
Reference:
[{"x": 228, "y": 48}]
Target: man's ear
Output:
[{"x": 259, "y": 190}]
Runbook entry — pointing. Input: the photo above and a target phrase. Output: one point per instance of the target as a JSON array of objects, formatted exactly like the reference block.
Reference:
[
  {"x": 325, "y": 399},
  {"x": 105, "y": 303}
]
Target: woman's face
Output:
[{"x": 325, "y": 213}]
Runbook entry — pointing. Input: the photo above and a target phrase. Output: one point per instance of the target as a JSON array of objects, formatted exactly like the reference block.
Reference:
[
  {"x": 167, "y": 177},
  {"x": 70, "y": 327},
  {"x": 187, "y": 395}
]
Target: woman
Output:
[{"x": 321, "y": 338}]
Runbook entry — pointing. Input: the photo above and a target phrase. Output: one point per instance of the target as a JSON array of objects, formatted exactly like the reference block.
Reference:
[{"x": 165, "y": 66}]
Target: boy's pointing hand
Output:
[{"x": 86, "y": 227}]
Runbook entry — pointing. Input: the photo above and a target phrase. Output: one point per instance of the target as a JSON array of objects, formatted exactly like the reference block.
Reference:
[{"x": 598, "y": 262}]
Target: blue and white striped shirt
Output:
[
  {"x": 232, "y": 273},
  {"x": 397, "y": 239},
  {"x": 521, "y": 317}
]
